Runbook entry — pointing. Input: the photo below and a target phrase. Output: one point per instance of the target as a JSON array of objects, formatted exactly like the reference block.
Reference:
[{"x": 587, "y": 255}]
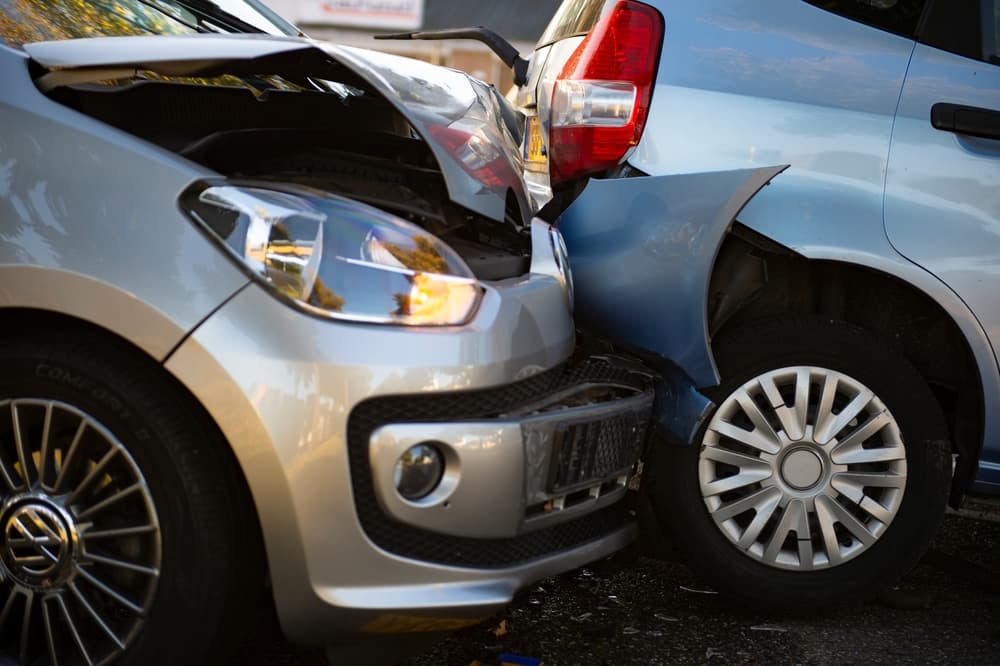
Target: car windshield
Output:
[
  {"x": 255, "y": 13},
  {"x": 26, "y": 21}
]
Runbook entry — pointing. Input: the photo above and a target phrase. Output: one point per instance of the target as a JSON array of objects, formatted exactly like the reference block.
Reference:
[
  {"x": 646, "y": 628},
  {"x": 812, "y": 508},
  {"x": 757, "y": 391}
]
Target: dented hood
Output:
[{"x": 473, "y": 132}]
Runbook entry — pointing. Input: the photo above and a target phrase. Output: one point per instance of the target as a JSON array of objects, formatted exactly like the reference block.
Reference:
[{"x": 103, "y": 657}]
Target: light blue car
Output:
[{"x": 828, "y": 341}]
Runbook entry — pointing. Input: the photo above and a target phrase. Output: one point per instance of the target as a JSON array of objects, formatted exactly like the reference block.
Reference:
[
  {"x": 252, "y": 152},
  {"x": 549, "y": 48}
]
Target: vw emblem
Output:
[{"x": 36, "y": 544}]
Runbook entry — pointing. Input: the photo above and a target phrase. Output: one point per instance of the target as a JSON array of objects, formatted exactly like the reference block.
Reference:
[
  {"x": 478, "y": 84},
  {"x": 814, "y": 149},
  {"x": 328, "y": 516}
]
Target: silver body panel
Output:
[
  {"x": 180, "y": 54},
  {"x": 281, "y": 386},
  {"x": 122, "y": 256},
  {"x": 942, "y": 204}
]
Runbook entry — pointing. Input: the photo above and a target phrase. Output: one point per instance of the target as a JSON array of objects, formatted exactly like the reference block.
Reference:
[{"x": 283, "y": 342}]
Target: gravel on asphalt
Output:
[{"x": 627, "y": 611}]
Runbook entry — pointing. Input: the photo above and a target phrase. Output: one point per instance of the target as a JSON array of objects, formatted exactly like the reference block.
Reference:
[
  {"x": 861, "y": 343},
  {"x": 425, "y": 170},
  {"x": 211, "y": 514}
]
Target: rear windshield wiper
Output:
[{"x": 500, "y": 46}]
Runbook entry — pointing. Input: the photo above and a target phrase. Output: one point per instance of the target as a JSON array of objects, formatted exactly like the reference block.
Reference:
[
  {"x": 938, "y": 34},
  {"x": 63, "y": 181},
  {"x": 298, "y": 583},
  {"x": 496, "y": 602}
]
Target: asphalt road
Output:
[{"x": 645, "y": 611}]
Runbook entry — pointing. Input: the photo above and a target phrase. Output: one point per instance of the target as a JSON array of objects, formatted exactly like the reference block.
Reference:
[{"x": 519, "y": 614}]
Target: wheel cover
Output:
[
  {"x": 802, "y": 468},
  {"x": 79, "y": 537}
]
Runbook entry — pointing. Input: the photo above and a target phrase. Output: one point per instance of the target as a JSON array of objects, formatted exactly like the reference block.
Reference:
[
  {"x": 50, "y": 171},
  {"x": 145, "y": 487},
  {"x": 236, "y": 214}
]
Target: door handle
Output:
[{"x": 969, "y": 120}]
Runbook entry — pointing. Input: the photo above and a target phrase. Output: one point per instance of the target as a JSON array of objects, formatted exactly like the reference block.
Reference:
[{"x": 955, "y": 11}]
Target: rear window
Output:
[
  {"x": 898, "y": 16},
  {"x": 574, "y": 17}
]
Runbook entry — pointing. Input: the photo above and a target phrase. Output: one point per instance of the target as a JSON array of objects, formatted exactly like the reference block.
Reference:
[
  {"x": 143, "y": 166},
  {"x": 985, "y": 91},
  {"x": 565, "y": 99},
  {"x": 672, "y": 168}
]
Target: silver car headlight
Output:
[{"x": 335, "y": 257}]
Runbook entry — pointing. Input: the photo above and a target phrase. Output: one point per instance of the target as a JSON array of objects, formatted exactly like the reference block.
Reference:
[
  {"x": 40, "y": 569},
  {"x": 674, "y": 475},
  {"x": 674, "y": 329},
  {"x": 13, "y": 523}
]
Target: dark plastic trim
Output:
[{"x": 967, "y": 120}]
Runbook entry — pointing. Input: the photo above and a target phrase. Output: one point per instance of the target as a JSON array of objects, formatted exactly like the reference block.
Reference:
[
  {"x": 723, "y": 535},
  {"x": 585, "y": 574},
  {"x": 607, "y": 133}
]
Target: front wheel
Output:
[
  {"x": 125, "y": 530},
  {"x": 820, "y": 478}
]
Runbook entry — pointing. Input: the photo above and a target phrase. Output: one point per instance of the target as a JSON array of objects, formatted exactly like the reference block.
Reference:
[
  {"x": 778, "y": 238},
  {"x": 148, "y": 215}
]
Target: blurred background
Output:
[{"x": 355, "y": 22}]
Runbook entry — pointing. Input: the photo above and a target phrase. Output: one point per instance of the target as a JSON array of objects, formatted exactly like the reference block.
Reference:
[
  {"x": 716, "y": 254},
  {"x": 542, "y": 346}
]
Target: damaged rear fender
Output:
[{"x": 642, "y": 252}]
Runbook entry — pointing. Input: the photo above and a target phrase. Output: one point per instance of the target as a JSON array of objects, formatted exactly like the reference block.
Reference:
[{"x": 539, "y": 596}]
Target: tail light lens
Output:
[
  {"x": 477, "y": 155},
  {"x": 601, "y": 98}
]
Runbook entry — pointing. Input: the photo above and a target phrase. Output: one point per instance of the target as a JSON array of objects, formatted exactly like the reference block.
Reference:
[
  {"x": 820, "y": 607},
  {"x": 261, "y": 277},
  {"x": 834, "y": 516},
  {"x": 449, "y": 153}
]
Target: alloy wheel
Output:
[{"x": 79, "y": 537}]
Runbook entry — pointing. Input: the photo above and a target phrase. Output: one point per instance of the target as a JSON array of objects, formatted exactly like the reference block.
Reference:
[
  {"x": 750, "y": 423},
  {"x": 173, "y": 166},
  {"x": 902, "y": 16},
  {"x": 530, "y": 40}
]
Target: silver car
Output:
[{"x": 275, "y": 313}]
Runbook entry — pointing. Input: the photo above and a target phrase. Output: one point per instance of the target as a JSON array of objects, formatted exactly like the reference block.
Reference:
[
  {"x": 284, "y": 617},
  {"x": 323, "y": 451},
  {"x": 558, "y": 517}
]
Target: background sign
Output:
[{"x": 388, "y": 14}]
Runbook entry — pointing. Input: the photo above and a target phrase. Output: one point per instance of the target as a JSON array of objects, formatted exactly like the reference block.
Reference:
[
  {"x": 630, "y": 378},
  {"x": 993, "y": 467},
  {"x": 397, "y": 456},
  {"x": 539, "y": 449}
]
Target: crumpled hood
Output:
[{"x": 472, "y": 130}]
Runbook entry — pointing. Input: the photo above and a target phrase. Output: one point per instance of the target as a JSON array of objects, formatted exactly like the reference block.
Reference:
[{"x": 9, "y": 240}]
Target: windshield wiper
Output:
[{"x": 500, "y": 46}]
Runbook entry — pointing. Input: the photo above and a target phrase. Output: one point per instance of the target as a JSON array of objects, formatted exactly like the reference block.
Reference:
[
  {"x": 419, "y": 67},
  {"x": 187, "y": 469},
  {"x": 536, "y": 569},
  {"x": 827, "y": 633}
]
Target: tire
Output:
[
  {"x": 132, "y": 541},
  {"x": 738, "y": 504}
]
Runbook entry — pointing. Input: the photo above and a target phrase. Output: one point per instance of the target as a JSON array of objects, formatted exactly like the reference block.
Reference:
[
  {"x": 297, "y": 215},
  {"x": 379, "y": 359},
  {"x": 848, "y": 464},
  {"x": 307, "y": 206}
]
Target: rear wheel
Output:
[
  {"x": 123, "y": 524},
  {"x": 820, "y": 478}
]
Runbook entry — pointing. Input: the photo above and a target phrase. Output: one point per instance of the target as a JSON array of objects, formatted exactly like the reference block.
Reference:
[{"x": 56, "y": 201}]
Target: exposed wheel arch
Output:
[{"x": 755, "y": 278}]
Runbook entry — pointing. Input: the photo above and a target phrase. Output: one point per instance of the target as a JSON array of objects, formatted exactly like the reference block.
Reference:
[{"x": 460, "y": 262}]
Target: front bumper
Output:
[
  {"x": 543, "y": 463},
  {"x": 315, "y": 411}
]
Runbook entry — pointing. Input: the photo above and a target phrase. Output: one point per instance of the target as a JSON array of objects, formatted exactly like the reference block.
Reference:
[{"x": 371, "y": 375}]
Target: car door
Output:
[{"x": 942, "y": 204}]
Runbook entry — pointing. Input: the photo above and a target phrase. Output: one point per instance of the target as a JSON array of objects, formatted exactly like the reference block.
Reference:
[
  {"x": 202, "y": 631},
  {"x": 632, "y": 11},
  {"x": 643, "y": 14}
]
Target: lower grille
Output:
[
  {"x": 408, "y": 541},
  {"x": 588, "y": 452}
]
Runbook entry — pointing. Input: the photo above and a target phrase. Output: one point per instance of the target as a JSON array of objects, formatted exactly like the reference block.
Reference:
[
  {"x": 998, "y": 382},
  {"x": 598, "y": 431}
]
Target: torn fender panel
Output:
[{"x": 642, "y": 252}]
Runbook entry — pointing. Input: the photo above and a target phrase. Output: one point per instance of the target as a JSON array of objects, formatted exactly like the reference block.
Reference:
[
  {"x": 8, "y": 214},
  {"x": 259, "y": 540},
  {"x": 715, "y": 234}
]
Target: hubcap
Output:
[
  {"x": 802, "y": 468},
  {"x": 79, "y": 537}
]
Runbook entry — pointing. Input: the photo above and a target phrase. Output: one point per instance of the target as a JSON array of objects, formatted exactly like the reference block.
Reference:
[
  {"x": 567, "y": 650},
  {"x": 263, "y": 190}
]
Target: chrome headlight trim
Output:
[{"x": 333, "y": 257}]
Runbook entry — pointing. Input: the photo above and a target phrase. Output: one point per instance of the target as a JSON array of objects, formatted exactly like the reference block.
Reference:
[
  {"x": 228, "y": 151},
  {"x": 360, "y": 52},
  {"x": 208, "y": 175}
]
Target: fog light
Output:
[{"x": 418, "y": 471}]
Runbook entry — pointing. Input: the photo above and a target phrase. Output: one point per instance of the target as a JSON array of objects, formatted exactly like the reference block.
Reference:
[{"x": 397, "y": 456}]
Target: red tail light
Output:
[
  {"x": 476, "y": 154},
  {"x": 601, "y": 98}
]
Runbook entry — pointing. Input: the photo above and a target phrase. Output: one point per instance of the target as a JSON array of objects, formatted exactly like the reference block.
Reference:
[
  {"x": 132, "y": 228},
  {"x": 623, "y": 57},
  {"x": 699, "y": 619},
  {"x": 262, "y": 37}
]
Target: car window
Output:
[
  {"x": 967, "y": 27},
  {"x": 992, "y": 34},
  {"x": 258, "y": 15},
  {"x": 26, "y": 21},
  {"x": 898, "y": 16},
  {"x": 574, "y": 17}
]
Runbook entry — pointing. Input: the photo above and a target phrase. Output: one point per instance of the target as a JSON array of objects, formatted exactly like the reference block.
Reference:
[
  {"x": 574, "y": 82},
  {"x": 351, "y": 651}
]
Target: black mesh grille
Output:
[
  {"x": 587, "y": 452},
  {"x": 425, "y": 545}
]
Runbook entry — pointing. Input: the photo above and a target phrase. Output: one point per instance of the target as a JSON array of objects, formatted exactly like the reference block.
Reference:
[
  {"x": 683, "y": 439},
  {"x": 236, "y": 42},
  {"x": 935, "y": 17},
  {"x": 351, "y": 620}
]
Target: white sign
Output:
[{"x": 389, "y": 14}]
